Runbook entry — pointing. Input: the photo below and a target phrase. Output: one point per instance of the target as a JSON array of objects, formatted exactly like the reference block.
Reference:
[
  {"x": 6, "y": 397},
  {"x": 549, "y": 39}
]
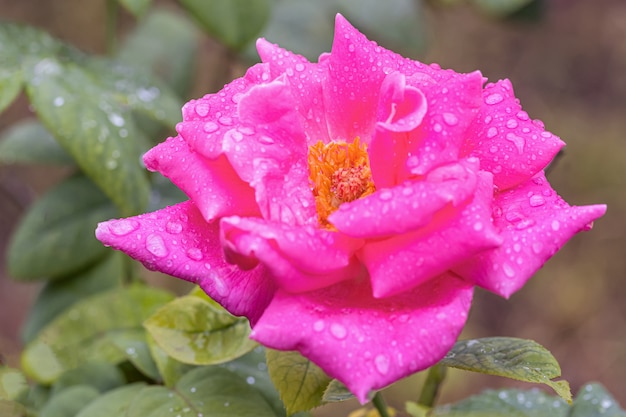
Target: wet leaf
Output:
[
  {"x": 56, "y": 237},
  {"x": 506, "y": 403},
  {"x": 58, "y": 295},
  {"x": 88, "y": 331},
  {"x": 299, "y": 381},
  {"x": 594, "y": 401},
  {"x": 113, "y": 403},
  {"x": 209, "y": 391},
  {"x": 136, "y": 7},
  {"x": 200, "y": 332},
  {"x": 336, "y": 391},
  {"x": 520, "y": 359},
  {"x": 12, "y": 383},
  {"x": 170, "y": 370},
  {"x": 69, "y": 401},
  {"x": 235, "y": 23},
  {"x": 28, "y": 142}
]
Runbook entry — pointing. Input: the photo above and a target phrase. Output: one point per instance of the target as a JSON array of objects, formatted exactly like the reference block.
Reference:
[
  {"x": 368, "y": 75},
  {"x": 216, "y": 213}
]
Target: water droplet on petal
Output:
[
  {"x": 319, "y": 325},
  {"x": 123, "y": 227},
  {"x": 156, "y": 245},
  {"x": 555, "y": 225},
  {"x": 202, "y": 109},
  {"x": 385, "y": 195},
  {"x": 493, "y": 131},
  {"x": 518, "y": 141},
  {"x": 536, "y": 200},
  {"x": 508, "y": 270},
  {"x": 537, "y": 247},
  {"x": 194, "y": 254},
  {"x": 210, "y": 127},
  {"x": 338, "y": 330},
  {"x": 511, "y": 123},
  {"x": 174, "y": 227},
  {"x": 494, "y": 98},
  {"x": 450, "y": 119},
  {"x": 299, "y": 67},
  {"x": 382, "y": 364}
]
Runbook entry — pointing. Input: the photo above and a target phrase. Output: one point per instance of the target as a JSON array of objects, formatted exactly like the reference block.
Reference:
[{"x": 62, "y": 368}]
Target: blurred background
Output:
[{"x": 567, "y": 62}]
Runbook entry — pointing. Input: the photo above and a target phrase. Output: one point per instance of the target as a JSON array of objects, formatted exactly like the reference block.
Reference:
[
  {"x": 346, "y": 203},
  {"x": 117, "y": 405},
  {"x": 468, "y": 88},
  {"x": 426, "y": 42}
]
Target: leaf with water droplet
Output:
[
  {"x": 199, "y": 331},
  {"x": 132, "y": 343},
  {"x": 28, "y": 142},
  {"x": 593, "y": 400},
  {"x": 235, "y": 23},
  {"x": 299, "y": 381},
  {"x": 87, "y": 331},
  {"x": 56, "y": 238},
  {"x": 520, "y": 359}
]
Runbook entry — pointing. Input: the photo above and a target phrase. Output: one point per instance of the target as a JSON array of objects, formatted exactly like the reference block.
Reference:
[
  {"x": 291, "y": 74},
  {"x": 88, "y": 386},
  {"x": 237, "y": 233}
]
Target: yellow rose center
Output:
[{"x": 340, "y": 173}]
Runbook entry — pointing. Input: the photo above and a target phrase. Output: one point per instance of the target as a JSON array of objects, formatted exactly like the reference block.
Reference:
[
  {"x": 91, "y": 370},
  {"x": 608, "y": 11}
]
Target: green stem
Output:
[
  {"x": 435, "y": 377},
  {"x": 111, "y": 26},
  {"x": 379, "y": 404}
]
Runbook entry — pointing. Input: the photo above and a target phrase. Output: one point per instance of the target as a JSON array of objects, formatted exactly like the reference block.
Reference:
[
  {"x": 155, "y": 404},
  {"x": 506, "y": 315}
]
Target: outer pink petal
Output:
[
  {"x": 177, "y": 241},
  {"x": 305, "y": 80},
  {"x": 535, "y": 223},
  {"x": 300, "y": 258},
  {"x": 454, "y": 235},
  {"x": 408, "y": 206},
  {"x": 368, "y": 343},
  {"x": 212, "y": 184},
  {"x": 506, "y": 141}
]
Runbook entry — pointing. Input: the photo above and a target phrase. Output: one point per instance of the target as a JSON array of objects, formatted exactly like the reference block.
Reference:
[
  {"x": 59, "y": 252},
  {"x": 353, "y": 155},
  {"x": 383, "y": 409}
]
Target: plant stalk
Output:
[
  {"x": 435, "y": 377},
  {"x": 380, "y": 405}
]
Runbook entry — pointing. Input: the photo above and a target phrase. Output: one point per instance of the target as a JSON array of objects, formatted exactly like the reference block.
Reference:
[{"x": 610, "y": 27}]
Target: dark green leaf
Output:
[
  {"x": 56, "y": 237},
  {"x": 235, "y": 23},
  {"x": 113, "y": 403},
  {"x": 500, "y": 8},
  {"x": 135, "y": 347},
  {"x": 506, "y": 403},
  {"x": 199, "y": 331},
  {"x": 299, "y": 381},
  {"x": 87, "y": 331},
  {"x": 594, "y": 401},
  {"x": 28, "y": 142},
  {"x": 102, "y": 376},
  {"x": 58, "y": 295},
  {"x": 209, "y": 391},
  {"x": 523, "y": 360},
  {"x": 34, "y": 398},
  {"x": 136, "y": 7},
  {"x": 69, "y": 401},
  {"x": 12, "y": 383}
]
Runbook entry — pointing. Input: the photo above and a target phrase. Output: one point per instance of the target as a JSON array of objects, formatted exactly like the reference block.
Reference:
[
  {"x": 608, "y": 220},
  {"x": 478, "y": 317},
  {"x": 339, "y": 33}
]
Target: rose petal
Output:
[
  {"x": 211, "y": 184},
  {"x": 300, "y": 258},
  {"x": 454, "y": 235},
  {"x": 364, "y": 342},
  {"x": 177, "y": 241},
  {"x": 408, "y": 206},
  {"x": 506, "y": 141},
  {"x": 534, "y": 223}
]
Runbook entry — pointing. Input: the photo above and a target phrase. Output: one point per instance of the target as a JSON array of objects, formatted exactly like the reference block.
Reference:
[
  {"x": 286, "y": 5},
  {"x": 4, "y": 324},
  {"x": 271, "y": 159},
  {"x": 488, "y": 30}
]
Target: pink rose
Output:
[{"x": 348, "y": 207}]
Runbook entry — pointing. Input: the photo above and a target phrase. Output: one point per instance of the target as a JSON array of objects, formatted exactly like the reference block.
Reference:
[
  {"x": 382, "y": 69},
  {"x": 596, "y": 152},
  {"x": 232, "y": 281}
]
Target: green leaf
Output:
[
  {"x": 11, "y": 84},
  {"x": 88, "y": 330},
  {"x": 56, "y": 236},
  {"x": 500, "y": 8},
  {"x": 299, "y": 381},
  {"x": 102, "y": 376},
  {"x": 335, "y": 392},
  {"x": 594, "y": 401},
  {"x": 34, "y": 398},
  {"x": 58, "y": 295},
  {"x": 170, "y": 370},
  {"x": 136, "y": 7},
  {"x": 520, "y": 359},
  {"x": 505, "y": 403},
  {"x": 209, "y": 391},
  {"x": 235, "y": 23},
  {"x": 12, "y": 383},
  {"x": 28, "y": 142},
  {"x": 164, "y": 44},
  {"x": 199, "y": 331},
  {"x": 12, "y": 409},
  {"x": 69, "y": 401},
  {"x": 135, "y": 347},
  {"x": 113, "y": 403},
  {"x": 416, "y": 410}
]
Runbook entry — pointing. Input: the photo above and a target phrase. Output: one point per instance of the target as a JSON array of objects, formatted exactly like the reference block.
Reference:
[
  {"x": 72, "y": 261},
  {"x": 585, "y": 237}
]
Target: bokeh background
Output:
[{"x": 568, "y": 68}]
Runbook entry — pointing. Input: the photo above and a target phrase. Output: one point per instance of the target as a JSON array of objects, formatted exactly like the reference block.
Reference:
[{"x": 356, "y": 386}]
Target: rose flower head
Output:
[{"x": 348, "y": 207}]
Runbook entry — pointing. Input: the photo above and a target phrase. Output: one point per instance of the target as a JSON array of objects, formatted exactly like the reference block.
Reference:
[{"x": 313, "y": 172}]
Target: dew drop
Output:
[
  {"x": 382, "y": 364},
  {"x": 511, "y": 123},
  {"x": 536, "y": 200},
  {"x": 250, "y": 380},
  {"x": 518, "y": 141},
  {"x": 174, "y": 227},
  {"x": 299, "y": 67},
  {"x": 202, "y": 109},
  {"x": 494, "y": 98},
  {"x": 58, "y": 101},
  {"x": 478, "y": 226},
  {"x": 225, "y": 120},
  {"x": 508, "y": 270},
  {"x": 210, "y": 127},
  {"x": 493, "y": 131},
  {"x": 194, "y": 254},
  {"x": 156, "y": 245},
  {"x": 450, "y": 119},
  {"x": 123, "y": 227},
  {"x": 386, "y": 195},
  {"x": 319, "y": 325},
  {"x": 116, "y": 119},
  {"x": 537, "y": 247},
  {"x": 338, "y": 330},
  {"x": 555, "y": 225}
]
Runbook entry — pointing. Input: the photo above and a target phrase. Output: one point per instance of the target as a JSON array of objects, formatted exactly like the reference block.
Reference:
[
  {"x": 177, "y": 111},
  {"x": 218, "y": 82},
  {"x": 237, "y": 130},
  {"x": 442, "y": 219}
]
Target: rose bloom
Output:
[{"x": 348, "y": 207}]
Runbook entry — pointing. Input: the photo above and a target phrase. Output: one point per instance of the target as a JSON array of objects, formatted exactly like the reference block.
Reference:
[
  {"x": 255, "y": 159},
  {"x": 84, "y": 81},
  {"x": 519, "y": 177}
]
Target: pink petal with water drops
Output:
[
  {"x": 364, "y": 342},
  {"x": 300, "y": 258},
  {"x": 212, "y": 184},
  {"x": 454, "y": 235},
  {"x": 408, "y": 206},
  {"x": 534, "y": 223},
  {"x": 177, "y": 241},
  {"x": 305, "y": 80},
  {"x": 507, "y": 142}
]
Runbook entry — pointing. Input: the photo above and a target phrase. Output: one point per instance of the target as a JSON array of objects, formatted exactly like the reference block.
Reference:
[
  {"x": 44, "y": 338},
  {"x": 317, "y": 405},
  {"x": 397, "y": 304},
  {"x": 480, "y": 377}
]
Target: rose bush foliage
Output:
[{"x": 348, "y": 207}]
